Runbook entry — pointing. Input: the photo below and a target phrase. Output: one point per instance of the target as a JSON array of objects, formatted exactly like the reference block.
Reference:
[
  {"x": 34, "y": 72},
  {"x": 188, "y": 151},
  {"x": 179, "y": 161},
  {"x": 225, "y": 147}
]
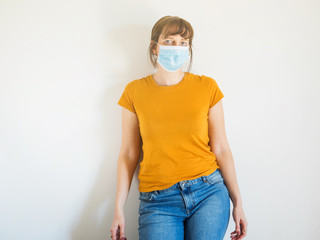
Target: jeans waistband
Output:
[{"x": 187, "y": 183}]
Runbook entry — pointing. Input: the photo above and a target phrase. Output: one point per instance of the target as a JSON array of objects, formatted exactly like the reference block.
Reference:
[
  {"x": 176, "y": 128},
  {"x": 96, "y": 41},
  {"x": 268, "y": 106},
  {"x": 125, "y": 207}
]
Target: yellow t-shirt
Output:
[{"x": 173, "y": 123}]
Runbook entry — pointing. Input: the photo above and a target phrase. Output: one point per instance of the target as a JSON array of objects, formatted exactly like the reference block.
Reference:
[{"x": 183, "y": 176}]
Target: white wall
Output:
[{"x": 64, "y": 65}]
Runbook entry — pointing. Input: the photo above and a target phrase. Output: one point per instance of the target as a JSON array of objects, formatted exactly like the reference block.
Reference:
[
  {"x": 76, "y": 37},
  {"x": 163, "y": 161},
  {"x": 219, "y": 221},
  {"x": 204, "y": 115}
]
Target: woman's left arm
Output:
[{"x": 220, "y": 147}]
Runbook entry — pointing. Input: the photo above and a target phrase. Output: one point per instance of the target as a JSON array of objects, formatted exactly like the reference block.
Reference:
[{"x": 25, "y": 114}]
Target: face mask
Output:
[{"x": 171, "y": 58}]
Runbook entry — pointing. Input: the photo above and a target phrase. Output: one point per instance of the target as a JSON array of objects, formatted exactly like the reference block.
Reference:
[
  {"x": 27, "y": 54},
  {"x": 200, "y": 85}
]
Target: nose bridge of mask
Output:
[{"x": 174, "y": 47}]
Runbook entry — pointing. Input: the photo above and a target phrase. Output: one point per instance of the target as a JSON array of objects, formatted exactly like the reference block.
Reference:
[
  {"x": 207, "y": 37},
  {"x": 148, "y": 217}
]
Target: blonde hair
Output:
[{"x": 170, "y": 25}]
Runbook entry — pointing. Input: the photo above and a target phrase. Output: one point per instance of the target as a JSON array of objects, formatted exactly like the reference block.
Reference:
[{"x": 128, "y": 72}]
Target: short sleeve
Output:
[
  {"x": 126, "y": 99},
  {"x": 215, "y": 93}
]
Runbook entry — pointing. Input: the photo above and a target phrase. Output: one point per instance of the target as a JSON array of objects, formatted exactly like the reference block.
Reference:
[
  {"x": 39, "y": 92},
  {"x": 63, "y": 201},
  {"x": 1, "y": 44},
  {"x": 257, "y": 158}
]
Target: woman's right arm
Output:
[{"x": 128, "y": 159}]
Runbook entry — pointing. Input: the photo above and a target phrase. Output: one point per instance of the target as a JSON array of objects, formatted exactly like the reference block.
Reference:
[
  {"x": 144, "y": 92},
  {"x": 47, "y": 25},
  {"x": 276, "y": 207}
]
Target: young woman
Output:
[{"x": 187, "y": 174}]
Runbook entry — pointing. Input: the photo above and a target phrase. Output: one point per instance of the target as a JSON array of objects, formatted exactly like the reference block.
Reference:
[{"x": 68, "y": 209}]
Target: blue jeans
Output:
[{"x": 197, "y": 209}]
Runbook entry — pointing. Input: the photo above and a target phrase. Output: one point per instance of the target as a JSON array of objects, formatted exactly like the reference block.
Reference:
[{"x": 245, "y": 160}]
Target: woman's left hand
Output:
[{"x": 241, "y": 223}]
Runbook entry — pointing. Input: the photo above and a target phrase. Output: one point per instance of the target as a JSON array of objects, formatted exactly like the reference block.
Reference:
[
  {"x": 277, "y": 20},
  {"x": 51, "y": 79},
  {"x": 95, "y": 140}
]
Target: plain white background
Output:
[{"x": 64, "y": 65}]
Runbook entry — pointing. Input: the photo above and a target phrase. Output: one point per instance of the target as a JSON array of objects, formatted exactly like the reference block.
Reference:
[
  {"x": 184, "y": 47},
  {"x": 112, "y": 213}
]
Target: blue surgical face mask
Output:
[{"x": 171, "y": 58}]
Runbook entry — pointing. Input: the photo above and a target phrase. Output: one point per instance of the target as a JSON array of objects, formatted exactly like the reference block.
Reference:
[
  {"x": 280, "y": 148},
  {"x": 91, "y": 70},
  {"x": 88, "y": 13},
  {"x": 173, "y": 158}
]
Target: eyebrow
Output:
[{"x": 181, "y": 38}]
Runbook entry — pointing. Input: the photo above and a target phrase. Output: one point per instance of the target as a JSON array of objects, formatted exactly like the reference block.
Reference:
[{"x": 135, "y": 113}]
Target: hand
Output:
[
  {"x": 117, "y": 228},
  {"x": 241, "y": 224}
]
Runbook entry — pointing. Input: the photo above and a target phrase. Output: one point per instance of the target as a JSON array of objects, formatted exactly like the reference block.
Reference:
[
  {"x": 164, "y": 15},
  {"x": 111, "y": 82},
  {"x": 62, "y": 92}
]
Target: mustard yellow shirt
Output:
[{"x": 173, "y": 123}]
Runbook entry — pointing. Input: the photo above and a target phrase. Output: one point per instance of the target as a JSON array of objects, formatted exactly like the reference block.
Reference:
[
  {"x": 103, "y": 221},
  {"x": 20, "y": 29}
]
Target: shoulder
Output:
[
  {"x": 135, "y": 83},
  {"x": 209, "y": 80},
  {"x": 131, "y": 85},
  {"x": 204, "y": 79}
]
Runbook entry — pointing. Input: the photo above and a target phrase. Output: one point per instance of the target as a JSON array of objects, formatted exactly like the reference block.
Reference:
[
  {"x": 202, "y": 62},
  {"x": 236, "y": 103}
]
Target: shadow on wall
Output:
[{"x": 126, "y": 53}]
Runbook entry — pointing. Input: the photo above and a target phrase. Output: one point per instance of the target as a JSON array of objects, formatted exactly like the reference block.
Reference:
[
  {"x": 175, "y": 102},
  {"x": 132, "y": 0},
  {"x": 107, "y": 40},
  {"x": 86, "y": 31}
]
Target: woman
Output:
[{"x": 187, "y": 175}]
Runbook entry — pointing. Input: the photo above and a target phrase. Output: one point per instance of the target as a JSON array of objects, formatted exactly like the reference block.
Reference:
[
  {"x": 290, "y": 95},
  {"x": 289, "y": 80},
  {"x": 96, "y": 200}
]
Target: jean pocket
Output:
[
  {"x": 148, "y": 196},
  {"x": 215, "y": 178}
]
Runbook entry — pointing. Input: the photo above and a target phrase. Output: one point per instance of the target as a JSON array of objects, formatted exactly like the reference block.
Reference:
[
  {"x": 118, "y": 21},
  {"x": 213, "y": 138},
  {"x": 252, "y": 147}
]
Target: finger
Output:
[
  {"x": 234, "y": 235},
  {"x": 242, "y": 236},
  {"x": 234, "y": 232},
  {"x": 121, "y": 231},
  {"x": 238, "y": 230},
  {"x": 118, "y": 233},
  {"x": 243, "y": 230},
  {"x": 243, "y": 227},
  {"x": 113, "y": 235}
]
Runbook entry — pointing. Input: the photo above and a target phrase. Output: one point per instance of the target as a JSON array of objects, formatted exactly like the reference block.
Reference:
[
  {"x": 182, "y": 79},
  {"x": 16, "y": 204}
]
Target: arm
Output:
[
  {"x": 220, "y": 147},
  {"x": 127, "y": 162}
]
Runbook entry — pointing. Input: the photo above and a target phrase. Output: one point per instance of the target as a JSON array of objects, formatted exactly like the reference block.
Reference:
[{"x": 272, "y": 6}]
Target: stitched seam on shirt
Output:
[
  {"x": 208, "y": 90},
  {"x": 133, "y": 97}
]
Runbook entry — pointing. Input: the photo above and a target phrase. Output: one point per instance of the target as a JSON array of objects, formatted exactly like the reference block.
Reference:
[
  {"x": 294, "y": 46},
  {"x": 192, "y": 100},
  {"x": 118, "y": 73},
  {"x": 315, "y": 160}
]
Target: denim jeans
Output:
[{"x": 197, "y": 209}]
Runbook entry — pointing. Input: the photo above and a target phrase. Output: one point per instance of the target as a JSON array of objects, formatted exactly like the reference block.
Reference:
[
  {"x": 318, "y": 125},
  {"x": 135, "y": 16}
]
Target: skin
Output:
[
  {"x": 220, "y": 147},
  {"x": 162, "y": 77},
  {"x": 131, "y": 149}
]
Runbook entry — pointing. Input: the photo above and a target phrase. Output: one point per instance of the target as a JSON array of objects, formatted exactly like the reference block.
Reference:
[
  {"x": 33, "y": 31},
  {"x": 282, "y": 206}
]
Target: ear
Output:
[{"x": 154, "y": 46}]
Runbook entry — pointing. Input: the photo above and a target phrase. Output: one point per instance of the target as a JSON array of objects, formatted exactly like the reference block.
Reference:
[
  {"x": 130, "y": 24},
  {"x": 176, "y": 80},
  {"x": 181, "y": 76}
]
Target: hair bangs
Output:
[{"x": 177, "y": 26}]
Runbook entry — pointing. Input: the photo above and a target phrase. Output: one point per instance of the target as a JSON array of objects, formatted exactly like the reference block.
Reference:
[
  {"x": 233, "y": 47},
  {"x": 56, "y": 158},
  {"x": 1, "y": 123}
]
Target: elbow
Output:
[
  {"x": 219, "y": 149},
  {"x": 131, "y": 154}
]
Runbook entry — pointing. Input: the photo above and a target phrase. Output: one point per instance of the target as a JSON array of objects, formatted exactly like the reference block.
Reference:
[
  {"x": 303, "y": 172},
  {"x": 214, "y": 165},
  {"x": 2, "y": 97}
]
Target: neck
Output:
[{"x": 165, "y": 78}]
